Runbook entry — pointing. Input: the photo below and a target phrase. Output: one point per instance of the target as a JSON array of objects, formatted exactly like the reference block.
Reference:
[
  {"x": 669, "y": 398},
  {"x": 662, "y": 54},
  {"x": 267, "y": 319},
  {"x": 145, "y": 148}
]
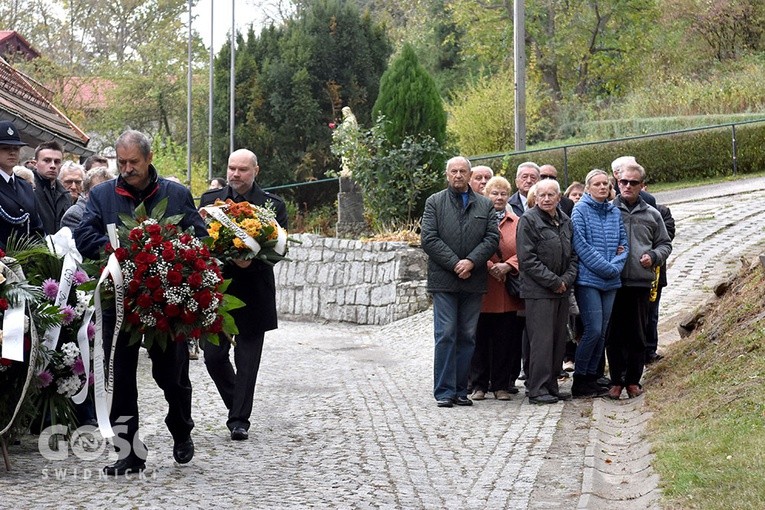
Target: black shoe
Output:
[
  {"x": 239, "y": 434},
  {"x": 513, "y": 389},
  {"x": 128, "y": 465},
  {"x": 543, "y": 399},
  {"x": 653, "y": 358},
  {"x": 563, "y": 395},
  {"x": 445, "y": 403},
  {"x": 463, "y": 401},
  {"x": 603, "y": 381},
  {"x": 183, "y": 452}
]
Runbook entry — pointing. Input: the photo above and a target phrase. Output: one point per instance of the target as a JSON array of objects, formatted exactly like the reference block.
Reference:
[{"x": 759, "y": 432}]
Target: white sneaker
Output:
[
  {"x": 568, "y": 366},
  {"x": 478, "y": 395}
]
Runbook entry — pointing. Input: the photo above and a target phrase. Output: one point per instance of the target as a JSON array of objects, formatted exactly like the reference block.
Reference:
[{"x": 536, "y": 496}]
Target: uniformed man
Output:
[{"x": 19, "y": 214}]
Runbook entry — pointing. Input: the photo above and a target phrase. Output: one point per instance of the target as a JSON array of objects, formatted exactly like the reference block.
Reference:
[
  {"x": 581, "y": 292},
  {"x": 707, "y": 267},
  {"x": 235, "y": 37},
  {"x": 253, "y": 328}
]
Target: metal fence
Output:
[{"x": 502, "y": 159}]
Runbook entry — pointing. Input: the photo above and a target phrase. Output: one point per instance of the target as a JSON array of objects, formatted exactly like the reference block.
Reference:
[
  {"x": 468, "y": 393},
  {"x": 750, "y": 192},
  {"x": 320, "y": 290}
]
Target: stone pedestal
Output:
[{"x": 350, "y": 210}]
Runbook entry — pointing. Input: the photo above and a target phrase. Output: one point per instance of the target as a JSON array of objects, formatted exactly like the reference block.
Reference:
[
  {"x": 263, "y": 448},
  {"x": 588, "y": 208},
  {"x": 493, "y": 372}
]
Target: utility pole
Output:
[
  {"x": 519, "y": 59},
  {"x": 188, "y": 110},
  {"x": 232, "y": 82},
  {"x": 210, "y": 97}
]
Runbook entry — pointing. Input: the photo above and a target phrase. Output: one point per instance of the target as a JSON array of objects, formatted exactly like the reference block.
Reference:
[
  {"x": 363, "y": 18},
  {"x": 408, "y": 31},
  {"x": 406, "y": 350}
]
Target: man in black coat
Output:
[
  {"x": 253, "y": 282},
  {"x": 53, "y": 199},
  {"x": 18, "y": 208}
]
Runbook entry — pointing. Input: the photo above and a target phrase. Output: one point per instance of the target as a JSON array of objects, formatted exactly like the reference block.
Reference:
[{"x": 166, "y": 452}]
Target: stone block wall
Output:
[{"x": 351, "y": 281}]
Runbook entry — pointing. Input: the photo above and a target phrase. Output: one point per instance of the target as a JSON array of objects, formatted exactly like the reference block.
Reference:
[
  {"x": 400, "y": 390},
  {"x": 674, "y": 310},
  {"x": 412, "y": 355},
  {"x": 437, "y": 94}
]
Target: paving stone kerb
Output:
[{"x": 351, "y": 281}]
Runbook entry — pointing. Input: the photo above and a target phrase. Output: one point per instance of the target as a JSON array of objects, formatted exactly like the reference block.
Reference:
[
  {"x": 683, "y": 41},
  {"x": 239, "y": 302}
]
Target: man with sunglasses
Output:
[{"x": 649, "y": 247}]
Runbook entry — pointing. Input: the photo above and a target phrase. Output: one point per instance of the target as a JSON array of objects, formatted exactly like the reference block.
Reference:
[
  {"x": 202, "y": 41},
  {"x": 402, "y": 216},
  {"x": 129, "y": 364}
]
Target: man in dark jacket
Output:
[
  {"x": 526, "y": 176},
  {"x": 18, "y": 207},
  {"x": 550, "y": 172},
  {"x": 138, "y": 182},
  {"x": 52, "y": 197},
  {"x": 253, "y": 282},
  {"x": 548, "y": 268},
  {"x": 459, "y": 234}
]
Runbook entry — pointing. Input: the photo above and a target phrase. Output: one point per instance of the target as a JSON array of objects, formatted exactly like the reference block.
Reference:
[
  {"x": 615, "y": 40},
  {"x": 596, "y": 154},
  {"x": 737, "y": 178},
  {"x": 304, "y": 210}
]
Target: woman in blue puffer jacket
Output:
[{"x": 600, "y": 241}]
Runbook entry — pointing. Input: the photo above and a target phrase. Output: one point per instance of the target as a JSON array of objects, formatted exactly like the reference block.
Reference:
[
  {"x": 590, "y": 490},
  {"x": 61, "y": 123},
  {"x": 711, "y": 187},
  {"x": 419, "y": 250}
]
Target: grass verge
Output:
[{"x": 708, "y": 400}]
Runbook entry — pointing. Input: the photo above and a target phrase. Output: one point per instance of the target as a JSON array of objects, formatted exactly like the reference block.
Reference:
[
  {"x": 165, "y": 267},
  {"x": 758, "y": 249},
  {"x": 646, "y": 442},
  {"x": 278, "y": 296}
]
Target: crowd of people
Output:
[
  {"x": 540, "y": 282},
  {"x": 48, "y": 193}
]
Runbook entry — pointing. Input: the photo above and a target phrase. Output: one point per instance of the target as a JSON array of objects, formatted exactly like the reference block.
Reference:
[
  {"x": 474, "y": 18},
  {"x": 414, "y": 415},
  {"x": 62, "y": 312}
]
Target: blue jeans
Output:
[
  {"x": 595, "y": 311},
  {"x": 455, "y": 319}
]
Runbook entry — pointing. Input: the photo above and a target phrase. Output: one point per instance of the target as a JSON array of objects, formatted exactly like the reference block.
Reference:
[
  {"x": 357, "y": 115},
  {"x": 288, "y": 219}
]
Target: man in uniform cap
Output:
[{"x": 19, "y": 214}]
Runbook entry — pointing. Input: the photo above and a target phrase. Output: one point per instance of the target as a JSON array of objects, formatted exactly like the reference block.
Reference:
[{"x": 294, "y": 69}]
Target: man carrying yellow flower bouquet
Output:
[{"x": 252, "y": 282}]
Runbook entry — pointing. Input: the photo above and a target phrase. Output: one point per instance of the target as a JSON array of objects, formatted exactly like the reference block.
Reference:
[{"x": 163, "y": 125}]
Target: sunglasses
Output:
[{"x": 625, "y": 182}]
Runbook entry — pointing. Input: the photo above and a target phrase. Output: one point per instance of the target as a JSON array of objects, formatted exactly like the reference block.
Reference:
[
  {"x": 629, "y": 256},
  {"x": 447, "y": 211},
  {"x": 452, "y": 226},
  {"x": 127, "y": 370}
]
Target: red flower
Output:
[
  {"x": 168, "y": 255},
  {"x": 188, "y": 317},
  {"x": 3, "y": 303},
  {"x": 136, "y": 234},
  {"x": 133, "y": 318},
  {"x": 144, "y": 301},
  {"x": 145, "y": 258},
  {"x": 153, "y": 282},
  {"x": 195, "y": 280},
  {"x": 204, "y": 297},
  {"x": 2, "y": 253},
  {"x": 217, "y": 326},
  {"x": 174, "y": 277},
  {"x": 133, "y": 286},
  {"x": 200, "y": 265},
  {"x": 121, "y": 254},
  {"x": 158, "y": 295},
  {"x": 163, "y": 324},
  {"x": 172, "y": 310},
  {"x": 153, "y": 229},
  {"x": 185, "y": 239},
  {"x": 195, "y": 333}
]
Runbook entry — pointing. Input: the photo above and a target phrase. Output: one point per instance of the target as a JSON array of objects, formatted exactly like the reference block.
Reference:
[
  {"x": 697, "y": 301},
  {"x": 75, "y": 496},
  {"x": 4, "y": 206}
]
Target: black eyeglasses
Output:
[
  {"x": 548, "y": 177},
  {"x": 625, "y": 182}
]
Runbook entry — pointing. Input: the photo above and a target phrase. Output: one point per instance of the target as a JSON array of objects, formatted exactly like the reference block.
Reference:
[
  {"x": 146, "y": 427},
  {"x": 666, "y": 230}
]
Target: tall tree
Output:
[{"x": 298, "y": 76}]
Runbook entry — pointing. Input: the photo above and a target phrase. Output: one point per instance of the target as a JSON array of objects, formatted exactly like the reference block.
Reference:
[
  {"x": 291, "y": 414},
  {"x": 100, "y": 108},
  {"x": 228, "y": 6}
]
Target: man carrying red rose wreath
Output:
[
  {"x": 253, "y": 282},
  {"x": 139, "y": 182}
]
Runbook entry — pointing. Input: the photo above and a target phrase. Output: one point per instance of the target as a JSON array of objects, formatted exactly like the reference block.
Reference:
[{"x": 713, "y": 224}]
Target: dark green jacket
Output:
[{"x": 451, "y": 233}]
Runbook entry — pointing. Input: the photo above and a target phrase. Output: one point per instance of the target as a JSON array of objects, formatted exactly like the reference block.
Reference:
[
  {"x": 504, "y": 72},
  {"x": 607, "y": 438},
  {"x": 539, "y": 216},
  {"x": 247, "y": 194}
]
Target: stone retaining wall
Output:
[{"x": 351, "y": 281}]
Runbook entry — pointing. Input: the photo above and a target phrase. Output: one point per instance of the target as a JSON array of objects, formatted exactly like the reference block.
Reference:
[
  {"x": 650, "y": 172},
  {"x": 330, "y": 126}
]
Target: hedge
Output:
[{"x": 689, "y": 155}]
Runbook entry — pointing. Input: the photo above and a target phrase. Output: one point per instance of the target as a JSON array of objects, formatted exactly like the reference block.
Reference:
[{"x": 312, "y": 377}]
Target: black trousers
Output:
[
  {"x": 170, "y": 369},
  {"x": 237, "y": 389},
  {"x": 652, "y": 325},
  {"x": 497, "y": 350},
  {"x": 625, "y": 343}
]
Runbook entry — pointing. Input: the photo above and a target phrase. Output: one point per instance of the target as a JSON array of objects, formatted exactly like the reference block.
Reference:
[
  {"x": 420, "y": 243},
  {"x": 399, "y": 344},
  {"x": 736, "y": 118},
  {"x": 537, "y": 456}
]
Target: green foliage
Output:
[
  {"x": 394, "y": 178},
  {"x": 684, "y": 156},
  {"x": 170, "y": 159},
  {"x": 410, "y": 101},
  {"x": 481, "y": 130}
]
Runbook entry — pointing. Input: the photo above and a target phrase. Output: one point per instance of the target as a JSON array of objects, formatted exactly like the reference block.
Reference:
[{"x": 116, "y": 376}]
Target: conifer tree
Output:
[{"x": 410, "y": 101}]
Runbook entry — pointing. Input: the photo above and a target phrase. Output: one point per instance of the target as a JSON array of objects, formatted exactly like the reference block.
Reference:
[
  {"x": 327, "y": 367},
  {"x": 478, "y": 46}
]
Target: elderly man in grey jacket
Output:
[
  {"x": 650, "y": 246},
  {"x": 459, "y": 234}
]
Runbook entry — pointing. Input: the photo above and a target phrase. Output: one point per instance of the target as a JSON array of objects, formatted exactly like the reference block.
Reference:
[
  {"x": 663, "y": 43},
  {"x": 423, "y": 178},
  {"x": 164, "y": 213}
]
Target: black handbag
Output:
[{"x": 513, "y": 285}]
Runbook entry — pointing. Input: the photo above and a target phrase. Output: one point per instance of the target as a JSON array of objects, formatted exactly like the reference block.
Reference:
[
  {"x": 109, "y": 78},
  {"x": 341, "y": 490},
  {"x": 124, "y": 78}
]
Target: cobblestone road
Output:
[{"x": 344, "y": 418}]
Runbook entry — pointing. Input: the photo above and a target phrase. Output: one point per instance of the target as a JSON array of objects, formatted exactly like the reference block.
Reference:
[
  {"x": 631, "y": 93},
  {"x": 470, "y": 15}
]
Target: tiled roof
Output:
[
  {"x": 13, "y": 42},
  {"x": 25, "y": 102}
]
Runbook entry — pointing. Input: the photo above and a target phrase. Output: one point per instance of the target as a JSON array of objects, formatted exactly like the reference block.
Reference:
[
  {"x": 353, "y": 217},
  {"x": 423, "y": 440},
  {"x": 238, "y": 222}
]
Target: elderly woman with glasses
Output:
[
  {"x": 600, "y": 241},
  {"x": 498, "y": 338}
]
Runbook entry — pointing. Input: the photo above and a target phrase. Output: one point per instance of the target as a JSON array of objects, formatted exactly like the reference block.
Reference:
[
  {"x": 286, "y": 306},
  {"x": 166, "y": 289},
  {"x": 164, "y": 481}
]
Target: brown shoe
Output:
[
  {"x": 615, "y": 392},
  {"x": 502, "y": 395},
  {"x": 478, "y": 395},
  {"x": 634, "y": 390}
]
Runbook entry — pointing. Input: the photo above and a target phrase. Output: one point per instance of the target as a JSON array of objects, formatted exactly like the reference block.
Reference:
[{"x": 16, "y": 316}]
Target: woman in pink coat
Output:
[{"x": 497, "y": 354}]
